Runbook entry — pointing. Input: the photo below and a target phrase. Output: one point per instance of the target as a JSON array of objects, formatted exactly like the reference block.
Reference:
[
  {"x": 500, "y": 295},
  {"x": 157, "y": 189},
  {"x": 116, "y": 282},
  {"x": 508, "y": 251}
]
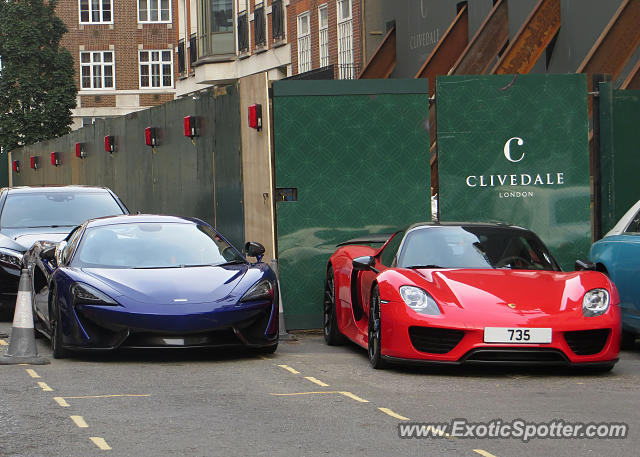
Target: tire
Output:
[
  {"x": 627, "y": 340},
  {"x": 57, "y": 350},
  {"x": 332, "y": 335},
  {"x": 374, "y": 348}
]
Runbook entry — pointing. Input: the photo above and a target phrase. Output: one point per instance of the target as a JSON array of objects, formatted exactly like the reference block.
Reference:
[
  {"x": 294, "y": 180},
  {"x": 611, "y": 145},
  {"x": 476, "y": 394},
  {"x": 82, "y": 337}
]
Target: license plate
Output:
[{"x": 517, "y": 335}]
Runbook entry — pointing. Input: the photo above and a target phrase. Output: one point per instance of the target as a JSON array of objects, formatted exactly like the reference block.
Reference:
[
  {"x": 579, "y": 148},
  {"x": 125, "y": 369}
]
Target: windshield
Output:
[
  {"x": 474, "y": 247},
  {"x": 47, "y": 209},
  {"x": 153, "y": 245}
]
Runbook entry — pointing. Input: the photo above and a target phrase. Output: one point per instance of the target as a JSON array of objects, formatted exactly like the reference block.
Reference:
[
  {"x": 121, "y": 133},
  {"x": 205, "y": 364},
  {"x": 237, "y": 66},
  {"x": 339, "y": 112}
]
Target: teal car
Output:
[{"x": 618, "y": 256}]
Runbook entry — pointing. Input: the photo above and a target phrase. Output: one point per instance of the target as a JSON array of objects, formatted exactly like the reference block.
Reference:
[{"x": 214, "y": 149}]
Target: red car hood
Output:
[{"x": 529, "y": 293}]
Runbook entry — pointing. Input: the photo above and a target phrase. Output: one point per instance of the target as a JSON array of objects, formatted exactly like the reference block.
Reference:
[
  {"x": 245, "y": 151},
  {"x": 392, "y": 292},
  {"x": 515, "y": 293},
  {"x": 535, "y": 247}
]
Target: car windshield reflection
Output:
[
  {"x": 148, "y": 245},
  {"x": 477, "y": 247}
]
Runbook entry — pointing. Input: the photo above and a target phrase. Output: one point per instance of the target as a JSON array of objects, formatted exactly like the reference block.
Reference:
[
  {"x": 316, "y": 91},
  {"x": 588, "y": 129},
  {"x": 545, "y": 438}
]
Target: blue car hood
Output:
[{"x": 171, "y": 286}]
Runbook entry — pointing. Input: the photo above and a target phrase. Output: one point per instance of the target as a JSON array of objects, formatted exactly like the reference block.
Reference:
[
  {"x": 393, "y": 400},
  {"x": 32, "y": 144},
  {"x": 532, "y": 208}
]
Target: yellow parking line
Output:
[
  {"x": 289, "y": 369},
  {"x": 392, "y": 414},
  {"x": 3, "y": 343},
  {"x": 354, "y": 397},
  {"x": 483, "y": 453},
  {"x": 316, "y": 381},
  {"x": 45, "y": 387},
  {"x": 61, "y": 401},
  {"x": 32, "y": 373},
  {"x": 109, "y": 396},
  {"x": 79, "y": 421},
  {"x": 101, "y": 443}
]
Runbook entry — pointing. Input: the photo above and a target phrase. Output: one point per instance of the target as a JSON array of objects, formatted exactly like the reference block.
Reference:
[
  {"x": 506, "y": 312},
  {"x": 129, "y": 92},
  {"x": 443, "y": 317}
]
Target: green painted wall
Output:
[
  {"x": 619, "y": 152},
  {"x": 541, "y": 179},
  {"x": 358, "y": 154},
  {"x": 202, "y": 178}
]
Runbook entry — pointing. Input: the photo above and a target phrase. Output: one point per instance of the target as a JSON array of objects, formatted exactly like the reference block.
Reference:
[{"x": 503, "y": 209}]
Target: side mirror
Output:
[
  {"x": 254, "y": 249},
  {"x": 364, "y": 263},
  {"x": 49, "y": 253},
  {"x": 585, "y": 265},
  {"x": 60, "y": 247}
]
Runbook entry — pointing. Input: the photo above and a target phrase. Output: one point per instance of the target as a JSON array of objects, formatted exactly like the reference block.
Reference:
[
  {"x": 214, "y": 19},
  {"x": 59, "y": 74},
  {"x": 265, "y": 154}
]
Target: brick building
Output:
[
  {"x": 123, "y": 55},
  {"x": 326, "y": 33},
  {"x": 220, "y": 41}
]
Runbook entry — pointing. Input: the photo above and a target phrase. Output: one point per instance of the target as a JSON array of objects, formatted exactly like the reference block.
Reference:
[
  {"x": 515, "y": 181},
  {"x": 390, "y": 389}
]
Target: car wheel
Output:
[
  {"x": 374, "y": 343},
  {"x": 627, "y": 340},
  {"x": 332, "y": 335},
  {"x": 57, "y": 350}
]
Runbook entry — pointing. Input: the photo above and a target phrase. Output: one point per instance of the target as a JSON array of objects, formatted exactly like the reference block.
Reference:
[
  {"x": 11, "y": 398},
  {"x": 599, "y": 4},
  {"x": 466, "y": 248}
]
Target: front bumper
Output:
[
  {"x": 576, "y": 340},
  {"x": 111, "y": 327}
]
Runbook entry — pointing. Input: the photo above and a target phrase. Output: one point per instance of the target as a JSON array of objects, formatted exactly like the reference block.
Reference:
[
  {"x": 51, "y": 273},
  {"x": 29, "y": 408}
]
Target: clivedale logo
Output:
[{"x": 516, "y": 179}]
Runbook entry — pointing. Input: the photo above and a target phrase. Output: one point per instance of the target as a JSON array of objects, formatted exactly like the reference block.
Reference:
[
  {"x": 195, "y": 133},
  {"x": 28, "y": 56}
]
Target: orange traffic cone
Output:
[{"x": 22, "y": 345}]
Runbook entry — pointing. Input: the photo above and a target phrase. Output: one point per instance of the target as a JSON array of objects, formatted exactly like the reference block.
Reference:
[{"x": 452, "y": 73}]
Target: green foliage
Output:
[{"x": 37, "y": 83}]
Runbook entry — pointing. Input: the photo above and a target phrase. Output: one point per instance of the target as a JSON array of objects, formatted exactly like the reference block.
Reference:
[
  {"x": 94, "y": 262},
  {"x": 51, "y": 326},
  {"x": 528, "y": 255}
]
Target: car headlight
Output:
[
  {"x": 11, "y": 259},
  {"x": 595, "y": 302},
  {"x": 262, "y": 290},
  {"x": 419, "y": 300},
  {"x": 87, "y": 295}
]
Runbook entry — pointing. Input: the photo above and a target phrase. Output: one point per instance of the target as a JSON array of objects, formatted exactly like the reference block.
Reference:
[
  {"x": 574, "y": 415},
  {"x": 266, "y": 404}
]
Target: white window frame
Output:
[
  {"x": 148, "y": 10},
  {"x": 304, "y": 43},
  {"x": 100, "y": 4},
  {"x": 345, "y": 42},
  {"x": 92, "y": 64},
  {"x": 323, "y": 36},
  {"x": 149, "y": 64}
]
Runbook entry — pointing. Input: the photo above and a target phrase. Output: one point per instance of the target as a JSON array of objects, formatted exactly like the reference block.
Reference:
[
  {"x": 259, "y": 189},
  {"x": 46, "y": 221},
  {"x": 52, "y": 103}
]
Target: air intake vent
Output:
[
  {"x": 434, "y": 340},
  {"x": 587, "y": 342}
]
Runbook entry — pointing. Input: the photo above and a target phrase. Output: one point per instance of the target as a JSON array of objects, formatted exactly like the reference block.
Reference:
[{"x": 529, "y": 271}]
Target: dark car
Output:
[
  {"x": 146, "y": 281},
  {"x": 29, "y": 214}
]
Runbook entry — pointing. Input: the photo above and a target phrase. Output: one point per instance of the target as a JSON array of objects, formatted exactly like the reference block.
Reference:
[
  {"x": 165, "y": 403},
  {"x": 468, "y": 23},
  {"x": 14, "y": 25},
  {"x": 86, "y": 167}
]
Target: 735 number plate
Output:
[{"x": 517, "y": 335}]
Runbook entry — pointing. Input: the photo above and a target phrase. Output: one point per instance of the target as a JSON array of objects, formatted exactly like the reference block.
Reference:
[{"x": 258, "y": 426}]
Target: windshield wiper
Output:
[
  {"x": 414, "y": 267},
  {"x": 230, "y": 262},
  {"x": 47, "y": 226}
]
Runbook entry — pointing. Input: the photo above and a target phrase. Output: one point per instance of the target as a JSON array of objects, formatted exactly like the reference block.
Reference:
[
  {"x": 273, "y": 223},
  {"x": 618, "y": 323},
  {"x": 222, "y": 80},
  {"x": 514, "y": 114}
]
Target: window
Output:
[
  {"x": 156, "y": 69},
  {"x": 182, "y": 69},
  {"x": 96, "y": 69},
  {"x": 323, "y": 34},
  {"x": 388, "y": 255},
  {"x": 154, "y": 11},
  {"x": 304, "y": 43},
  {"x": 215, "y": 28},
  {"x": 277, "y": 20},
  {"x": 96, "y": 11},
  {"x": 259, "y": 25},
  {"x": 634, "y": 226},
  {"x": 345, "y": 41},
  {"x": 243, "y": 32}
]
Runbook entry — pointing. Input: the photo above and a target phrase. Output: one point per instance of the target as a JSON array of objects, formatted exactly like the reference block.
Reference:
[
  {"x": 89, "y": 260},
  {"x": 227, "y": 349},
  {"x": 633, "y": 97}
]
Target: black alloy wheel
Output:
[
  {"x": 332, "y": 335},
  {"x": 374, "y": 341}
]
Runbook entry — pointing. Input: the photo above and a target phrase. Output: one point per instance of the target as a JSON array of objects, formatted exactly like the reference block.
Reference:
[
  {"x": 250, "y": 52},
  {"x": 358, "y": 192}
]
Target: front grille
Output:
[
  {"x": 587, "y": 342},
  {"x": 435, "y": 340},
  {"x": 515, "y": 355},
  {"x": 150, "y": 340}
]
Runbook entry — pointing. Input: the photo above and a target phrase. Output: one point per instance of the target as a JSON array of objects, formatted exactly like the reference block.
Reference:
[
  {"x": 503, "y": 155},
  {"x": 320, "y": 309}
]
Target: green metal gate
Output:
[{"x": 351, "y": 158}]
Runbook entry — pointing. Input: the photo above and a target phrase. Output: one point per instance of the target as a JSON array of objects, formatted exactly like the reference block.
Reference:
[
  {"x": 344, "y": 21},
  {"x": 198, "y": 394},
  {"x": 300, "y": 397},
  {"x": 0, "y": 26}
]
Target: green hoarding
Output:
[
  {"x": 515, "y": 149},
  {"x": 351, "y": 158}
]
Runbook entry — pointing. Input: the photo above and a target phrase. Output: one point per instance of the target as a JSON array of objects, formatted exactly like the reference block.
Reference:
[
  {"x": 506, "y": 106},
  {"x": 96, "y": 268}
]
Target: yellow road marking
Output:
[
  {"x": 346, "y": 394},
  {"x": 354, "y": 397},
  {"x": 483, "y": 453},
  {"x": 61, "y": 401},
  {"x": 32, "y": 373},
  {"x": 3, "y": 343},
  {"x": 288, "y": 368},
  {"x": 79, "y": 421},
  {"x": 45, "y": 387},
  {"x": 109, "y": 396},
  {"x": 101, "y": 443},
  {"x": 317, "y": 381},
  {"x": 392, "y": 414}
]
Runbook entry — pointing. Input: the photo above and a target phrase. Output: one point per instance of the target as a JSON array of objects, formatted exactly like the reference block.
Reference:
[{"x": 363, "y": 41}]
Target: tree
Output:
[{"x": 37, "y": 84}]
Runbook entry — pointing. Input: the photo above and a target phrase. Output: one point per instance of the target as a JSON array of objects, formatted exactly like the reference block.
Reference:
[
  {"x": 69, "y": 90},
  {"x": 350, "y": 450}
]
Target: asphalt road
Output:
[{"x": 307, "y": 399}]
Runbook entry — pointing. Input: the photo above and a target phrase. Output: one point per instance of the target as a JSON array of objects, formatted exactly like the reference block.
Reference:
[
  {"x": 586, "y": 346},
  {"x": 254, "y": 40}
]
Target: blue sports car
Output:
[
  {"x": 618, "y": 256},
  {"x": 145, "y": 281}
]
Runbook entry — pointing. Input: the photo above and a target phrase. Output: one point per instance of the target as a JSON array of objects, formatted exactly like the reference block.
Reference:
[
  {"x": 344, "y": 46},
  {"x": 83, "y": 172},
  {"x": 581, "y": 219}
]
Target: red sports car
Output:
[{"x": 468, "y": 293}]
